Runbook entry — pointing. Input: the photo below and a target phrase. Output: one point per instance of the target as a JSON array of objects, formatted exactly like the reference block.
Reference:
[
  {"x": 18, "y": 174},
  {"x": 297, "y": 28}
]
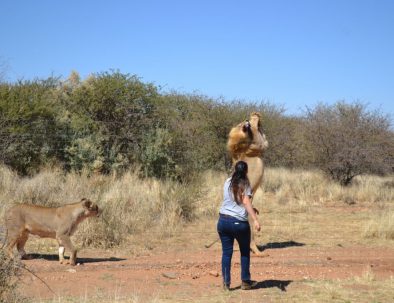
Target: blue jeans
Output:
[{"x": 230, "y": 228}]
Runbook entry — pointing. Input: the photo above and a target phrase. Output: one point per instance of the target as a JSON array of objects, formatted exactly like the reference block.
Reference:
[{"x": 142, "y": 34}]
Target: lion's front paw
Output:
[{"x": 68, "y": 262}]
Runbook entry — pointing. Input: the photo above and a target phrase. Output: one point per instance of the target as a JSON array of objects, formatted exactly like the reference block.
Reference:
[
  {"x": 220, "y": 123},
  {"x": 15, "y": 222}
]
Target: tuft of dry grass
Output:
[
  {"x": 132, "y": 205},
  {"x": 9, "y": 271},
  {"x": 380, "y": 226},
  {"x": 210, "y": 193}
]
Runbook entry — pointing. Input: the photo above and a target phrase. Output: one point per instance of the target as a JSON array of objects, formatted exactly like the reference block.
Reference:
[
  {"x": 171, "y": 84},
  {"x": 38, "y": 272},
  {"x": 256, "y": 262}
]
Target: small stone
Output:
[
  {"x": 329, "y": 258},
  {"x": 71, "y": 270},
  {"x": 214, "y": 273},
  {"x": 195, "y": 276}
]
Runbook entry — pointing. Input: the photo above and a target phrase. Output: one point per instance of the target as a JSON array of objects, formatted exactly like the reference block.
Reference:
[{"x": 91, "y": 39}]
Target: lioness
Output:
[{"x": 47, "y": 222}]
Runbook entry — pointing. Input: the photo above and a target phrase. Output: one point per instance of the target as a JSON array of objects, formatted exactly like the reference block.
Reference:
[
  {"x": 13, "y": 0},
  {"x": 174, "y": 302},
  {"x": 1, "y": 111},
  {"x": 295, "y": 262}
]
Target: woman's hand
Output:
[
  {"x": 252, "y": 212},
  {"x": 257, "y": 226}
]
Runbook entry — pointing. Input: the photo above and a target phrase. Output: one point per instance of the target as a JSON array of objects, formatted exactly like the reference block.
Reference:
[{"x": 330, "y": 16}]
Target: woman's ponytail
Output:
[{"x": 239, "y": 180}]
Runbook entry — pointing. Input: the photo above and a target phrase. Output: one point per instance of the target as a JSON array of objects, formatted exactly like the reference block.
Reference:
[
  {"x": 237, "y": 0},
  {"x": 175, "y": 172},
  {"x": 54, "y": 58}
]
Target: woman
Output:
[{"x": 233, "y": 224}]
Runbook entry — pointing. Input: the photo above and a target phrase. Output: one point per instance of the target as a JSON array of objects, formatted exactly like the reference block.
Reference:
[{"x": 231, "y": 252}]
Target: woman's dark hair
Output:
[{"x": 239, "y": 180}]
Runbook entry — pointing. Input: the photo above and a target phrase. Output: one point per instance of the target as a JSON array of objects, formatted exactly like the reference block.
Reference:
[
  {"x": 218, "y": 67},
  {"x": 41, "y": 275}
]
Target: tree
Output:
[
  {"x": 347, "y": 140},
  {"x": 30, "y": 135},
  {"x": 109, "y": 114}
]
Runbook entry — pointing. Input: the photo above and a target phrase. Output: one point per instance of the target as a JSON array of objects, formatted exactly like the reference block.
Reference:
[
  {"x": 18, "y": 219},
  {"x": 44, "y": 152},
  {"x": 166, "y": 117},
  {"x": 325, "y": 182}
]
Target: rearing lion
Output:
[{"x": 247, "y": 142}]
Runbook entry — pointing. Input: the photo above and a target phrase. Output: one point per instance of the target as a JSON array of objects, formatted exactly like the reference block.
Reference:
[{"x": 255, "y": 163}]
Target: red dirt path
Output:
[{"x": 192, "y": 274}]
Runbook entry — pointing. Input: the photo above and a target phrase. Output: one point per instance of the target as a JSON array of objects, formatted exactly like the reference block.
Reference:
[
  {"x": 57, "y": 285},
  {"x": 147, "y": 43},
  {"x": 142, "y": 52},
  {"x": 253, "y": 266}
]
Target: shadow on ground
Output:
[
  {"x": 52, "y": 257},
  {"x": 276, "y": 245},
  {"x": 273, "y": 283},
  {"x": 270, "y": 284}
]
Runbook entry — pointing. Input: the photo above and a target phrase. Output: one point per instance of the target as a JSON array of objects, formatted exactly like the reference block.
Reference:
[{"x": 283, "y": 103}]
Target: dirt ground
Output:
[{"x": 180, "y": 272}]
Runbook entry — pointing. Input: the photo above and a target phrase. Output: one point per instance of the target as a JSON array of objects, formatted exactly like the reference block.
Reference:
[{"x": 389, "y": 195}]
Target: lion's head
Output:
[{"x": 244, "y": 134}]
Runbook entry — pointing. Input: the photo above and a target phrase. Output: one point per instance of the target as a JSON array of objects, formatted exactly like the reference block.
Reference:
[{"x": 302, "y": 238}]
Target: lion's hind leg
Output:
[
  {"x": 12, "y": 239},
  {"x": 20, "y": 245},
  {"x": 255, "y": 250}
]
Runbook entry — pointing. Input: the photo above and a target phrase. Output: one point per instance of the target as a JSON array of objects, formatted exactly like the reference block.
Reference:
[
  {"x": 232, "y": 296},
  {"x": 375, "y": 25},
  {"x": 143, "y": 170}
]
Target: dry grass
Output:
[
  {"x": 312, "y": 188},
  {"x": 211, "y": 193},
  {"x": 133, "y": 205},
  {"x": 295, "y": 205},
  {"x": 349, "y": 290},
  {"x": 381, "y": 226},
  {"x": 358, "y": 289},
  {"x": 130, "y": 205},
  {"x": 9, "y": 271}
]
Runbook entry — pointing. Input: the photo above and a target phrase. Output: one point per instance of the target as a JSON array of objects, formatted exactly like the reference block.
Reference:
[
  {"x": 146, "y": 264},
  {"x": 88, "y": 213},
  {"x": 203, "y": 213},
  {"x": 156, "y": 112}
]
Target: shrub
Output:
[
  {"x": 156, "y": 156},
  {"x": 347, "y": 140},
  {"x": 30, "y": 134},
  {"x": 109, "y": 113}
]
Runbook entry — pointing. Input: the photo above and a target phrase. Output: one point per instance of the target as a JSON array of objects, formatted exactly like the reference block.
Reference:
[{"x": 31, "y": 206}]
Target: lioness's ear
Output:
[{"x": 86, "y": 203}]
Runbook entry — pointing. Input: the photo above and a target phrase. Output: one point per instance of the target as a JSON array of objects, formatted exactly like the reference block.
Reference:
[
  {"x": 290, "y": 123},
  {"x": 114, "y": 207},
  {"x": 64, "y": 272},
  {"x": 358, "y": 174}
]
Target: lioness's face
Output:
[{"x": 91, "y": 209}]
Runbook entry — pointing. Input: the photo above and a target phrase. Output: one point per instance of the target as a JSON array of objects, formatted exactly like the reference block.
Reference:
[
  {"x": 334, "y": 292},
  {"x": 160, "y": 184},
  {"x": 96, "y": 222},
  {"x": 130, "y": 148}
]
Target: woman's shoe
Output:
[
  {"x": 226, "y": 287},
  {"x": 249, "y": 284}
]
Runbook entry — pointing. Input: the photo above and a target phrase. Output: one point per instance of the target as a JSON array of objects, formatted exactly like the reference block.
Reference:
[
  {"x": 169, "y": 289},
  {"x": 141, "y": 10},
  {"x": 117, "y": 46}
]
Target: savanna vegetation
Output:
[
  {"x": 110, "y": 122},
  {"x": 148, "y": 215},
  {"x": 156, "y": 161}
]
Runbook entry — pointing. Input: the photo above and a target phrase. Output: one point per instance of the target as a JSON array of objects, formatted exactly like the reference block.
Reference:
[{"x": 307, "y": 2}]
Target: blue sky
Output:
[{"x": 293, "y": 53}]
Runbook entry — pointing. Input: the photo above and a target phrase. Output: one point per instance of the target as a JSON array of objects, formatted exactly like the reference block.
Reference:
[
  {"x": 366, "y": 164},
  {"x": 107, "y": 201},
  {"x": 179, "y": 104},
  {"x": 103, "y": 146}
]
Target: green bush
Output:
[
  {"x": 112, "y": 121},
  {"x": 156, "y": 156},
  {"x": 30, "y": 134},
  {"x": 109, "y": 113}
]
